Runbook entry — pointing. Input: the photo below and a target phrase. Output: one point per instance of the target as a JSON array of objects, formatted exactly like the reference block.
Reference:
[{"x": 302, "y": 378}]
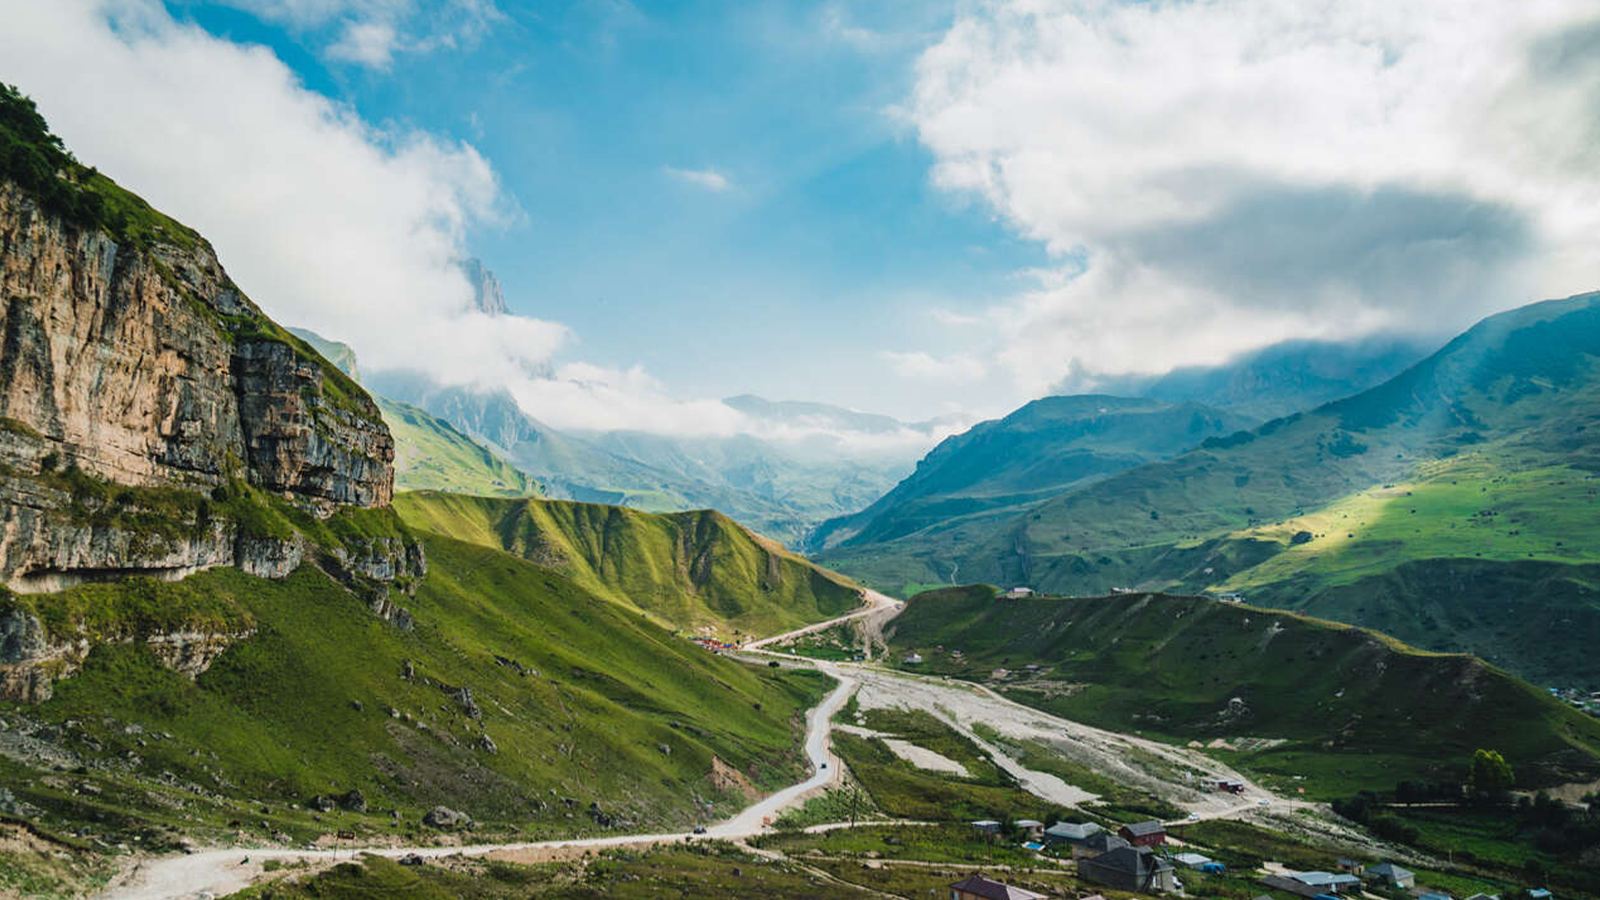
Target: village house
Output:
[
  {"x": 987, "y": 826},
  {"x": 1074, "y": 833},
  {"x": 1130, "y": 869},
  {"x": 1098, "y": 844},
  {"x": 1391, "y": 875},
  {"x": 1031, "y": 829},
  {"x": 1314, "y": 884},
  {"x": 1144, "y": 834},
  {"x": 1017, "y": 593},
  {"x": 980, "y": 888},
  {"x": 913, "y": 658}
]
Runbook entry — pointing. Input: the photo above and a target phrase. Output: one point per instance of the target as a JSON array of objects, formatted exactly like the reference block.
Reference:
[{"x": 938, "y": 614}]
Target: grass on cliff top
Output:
[
  {"x": 695, "y": 570},
  {"x": 612, "y": 710},
  {"x": 1352, "y": 709}
]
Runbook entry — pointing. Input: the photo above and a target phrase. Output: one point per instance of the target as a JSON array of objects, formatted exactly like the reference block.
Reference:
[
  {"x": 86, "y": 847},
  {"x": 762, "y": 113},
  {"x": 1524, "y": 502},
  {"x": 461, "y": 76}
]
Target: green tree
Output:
[{"x": 1490, "y": 774}]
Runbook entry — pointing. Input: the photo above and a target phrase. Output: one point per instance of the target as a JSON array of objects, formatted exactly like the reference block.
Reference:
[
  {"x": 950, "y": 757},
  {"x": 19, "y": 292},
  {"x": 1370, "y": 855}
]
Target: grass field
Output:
[{"x": 584, "y": 702}]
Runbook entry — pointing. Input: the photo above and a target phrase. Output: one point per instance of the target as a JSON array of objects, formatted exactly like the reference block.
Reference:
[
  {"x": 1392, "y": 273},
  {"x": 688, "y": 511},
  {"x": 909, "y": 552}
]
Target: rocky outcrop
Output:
[
  {"x": 146, "y": 366},
  {"x": 31, "y": 661}
]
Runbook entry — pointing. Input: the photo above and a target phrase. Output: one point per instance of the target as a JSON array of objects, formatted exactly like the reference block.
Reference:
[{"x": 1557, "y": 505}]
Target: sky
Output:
[{"x": 914, "y": 208}]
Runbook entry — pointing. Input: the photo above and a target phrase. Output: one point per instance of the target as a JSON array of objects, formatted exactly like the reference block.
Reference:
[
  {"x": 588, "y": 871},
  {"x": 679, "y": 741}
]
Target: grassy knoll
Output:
[
  {"x": 580, "y": 700},
  {"x": 1350, "y": 709},
  {"x": 698, "y": 570}
]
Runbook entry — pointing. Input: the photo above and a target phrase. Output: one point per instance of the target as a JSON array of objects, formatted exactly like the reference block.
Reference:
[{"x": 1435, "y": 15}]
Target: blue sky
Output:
[
  {"x": 829, "y": 243},
  {"x": 896, "y": 206}
]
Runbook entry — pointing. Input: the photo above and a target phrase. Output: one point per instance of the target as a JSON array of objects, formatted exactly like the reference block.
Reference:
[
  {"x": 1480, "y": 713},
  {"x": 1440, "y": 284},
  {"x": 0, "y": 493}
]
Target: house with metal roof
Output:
[
  {"x": 1190, "y": 860},
  {"x": 1129, "y": 869},
  {"x": 1071, "y": 832},
  {"x": 1328, "y": 882},
  {"x": 980, "y": 888},
  {"x": 1392, "y": 875}
]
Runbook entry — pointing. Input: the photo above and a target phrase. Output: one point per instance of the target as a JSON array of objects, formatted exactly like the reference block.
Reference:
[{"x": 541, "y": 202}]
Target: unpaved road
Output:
[{"x": 1154, "y": 766}]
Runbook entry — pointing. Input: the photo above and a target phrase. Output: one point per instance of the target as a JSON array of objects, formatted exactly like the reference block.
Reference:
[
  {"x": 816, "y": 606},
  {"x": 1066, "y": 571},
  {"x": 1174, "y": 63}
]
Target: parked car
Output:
[{"x": 699, "y": 829}]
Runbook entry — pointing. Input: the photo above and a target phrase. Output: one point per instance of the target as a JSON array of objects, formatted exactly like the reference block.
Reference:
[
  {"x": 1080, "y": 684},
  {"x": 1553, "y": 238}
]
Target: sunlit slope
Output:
[
  {"x": 1480, "y": 457},
  {"x": 689, "y": 570},
  {"x": 433, "y": 455},
  {"x": 576, "y": 695},
  {"x": 1352, "y": 707}
]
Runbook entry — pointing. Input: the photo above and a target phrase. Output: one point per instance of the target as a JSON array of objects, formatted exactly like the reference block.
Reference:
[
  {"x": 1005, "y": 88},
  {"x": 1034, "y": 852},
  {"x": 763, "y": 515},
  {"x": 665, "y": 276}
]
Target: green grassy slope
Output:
[
  {"x": 694, "y": 570},
  {"x": 1481, "y": 455},
  {"x": 579, "y": 695},
  {"x": 1354, "y": 708},
  {"x": 1035, "y": 453},
  {"x": 432, "y": 455}
]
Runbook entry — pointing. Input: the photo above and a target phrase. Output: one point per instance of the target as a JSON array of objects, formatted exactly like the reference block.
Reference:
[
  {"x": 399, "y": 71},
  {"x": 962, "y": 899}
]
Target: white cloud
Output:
[
  {"x": 710, "y": 179},
  {"x": 368, "y": 43},
  {"x": 918, "y": 364},
  {"x": 324, "y": 220},
  {"x": 1221, "y": 174},
  {"x": 373, "y": 32}
]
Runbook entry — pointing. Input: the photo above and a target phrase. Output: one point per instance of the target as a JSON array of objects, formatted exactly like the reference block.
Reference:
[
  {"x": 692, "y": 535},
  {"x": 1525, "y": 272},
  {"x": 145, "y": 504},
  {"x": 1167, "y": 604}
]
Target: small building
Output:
[
  {"x": 1032, "y": 829},
  {"x": 1230, "y": 786},
  {"x": 912, "y": 658},
  {"x": 987, "y": 826},
  {"x": 1353, "y": 866},
  {"x": 1017, "y": 593},
  {"x": 980, "y": 888},
  {"x": 1191, "y": 860},
  {"x": 1000, "y": 674},
  {"x": 1391, "y": 875},
  {"x": 1144, "y": 834},
  {"x": 1130, "y": 869},
  {"x": 1097, "y": 844},
  {"x": 1484, "y": 897},
  {"x": 1328, "y": 882},
  {"x": 1539, "y": 894},
  {"x": 1071, "y": 832}
]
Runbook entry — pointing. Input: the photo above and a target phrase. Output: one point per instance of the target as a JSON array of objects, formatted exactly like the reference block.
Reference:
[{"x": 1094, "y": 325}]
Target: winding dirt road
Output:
[{"x": 1157, "y": 766}]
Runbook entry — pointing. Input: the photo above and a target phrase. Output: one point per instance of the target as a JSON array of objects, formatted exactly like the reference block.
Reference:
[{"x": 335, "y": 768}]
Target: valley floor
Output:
[{"x": 1174, "y": 778}]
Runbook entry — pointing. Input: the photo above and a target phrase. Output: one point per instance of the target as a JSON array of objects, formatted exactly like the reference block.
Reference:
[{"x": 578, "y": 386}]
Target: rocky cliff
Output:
[
  {"x": 147, "y": 367},
  {"x": 153, "y": 421},
  {"x": 138, "y": 384}
]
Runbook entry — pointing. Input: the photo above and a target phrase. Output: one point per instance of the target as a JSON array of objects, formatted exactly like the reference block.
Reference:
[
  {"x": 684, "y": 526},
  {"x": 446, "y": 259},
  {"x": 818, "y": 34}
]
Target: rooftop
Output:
[
  {"x": 994, "y": 890},
  {"x": 1141, "y": 829}
]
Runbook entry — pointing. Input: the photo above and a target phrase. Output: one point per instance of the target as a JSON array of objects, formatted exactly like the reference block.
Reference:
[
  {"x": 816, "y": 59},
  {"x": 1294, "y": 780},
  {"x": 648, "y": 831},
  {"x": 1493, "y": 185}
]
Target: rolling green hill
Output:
[
  {"x": 432, "y": 455},
  {"x": 1344, "y": 707},
  {"x": 577, "y": 698},
  {"x": 694, "y": 570},
  {"x": 1476, "y": 462},
  {"x": 1043, "y": 449}
]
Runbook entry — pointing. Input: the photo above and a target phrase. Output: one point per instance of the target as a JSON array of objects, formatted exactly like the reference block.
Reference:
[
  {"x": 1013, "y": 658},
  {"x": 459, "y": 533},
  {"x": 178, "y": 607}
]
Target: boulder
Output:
[
  {"x": 353, "y": 800},
  {"x": 446, "y": 819}
]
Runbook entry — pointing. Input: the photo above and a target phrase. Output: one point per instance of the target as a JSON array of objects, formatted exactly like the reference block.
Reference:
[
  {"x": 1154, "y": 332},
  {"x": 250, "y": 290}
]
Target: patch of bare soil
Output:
[{"x": 726, "y": 778}]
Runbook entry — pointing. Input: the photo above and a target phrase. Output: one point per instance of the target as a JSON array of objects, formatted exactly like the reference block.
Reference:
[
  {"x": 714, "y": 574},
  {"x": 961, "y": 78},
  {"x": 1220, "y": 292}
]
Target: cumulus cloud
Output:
[
  {"x": 710, "y": 179},
  {"x": 324, "y": 220},
  {"x": 1218, "y": 175}
]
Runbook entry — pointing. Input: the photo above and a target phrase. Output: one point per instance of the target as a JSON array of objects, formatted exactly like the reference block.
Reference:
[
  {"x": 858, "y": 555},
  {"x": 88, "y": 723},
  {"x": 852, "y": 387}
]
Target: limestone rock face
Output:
[
  {"x": 147, "y": 367},
  {"x": 31, "y": 663}
]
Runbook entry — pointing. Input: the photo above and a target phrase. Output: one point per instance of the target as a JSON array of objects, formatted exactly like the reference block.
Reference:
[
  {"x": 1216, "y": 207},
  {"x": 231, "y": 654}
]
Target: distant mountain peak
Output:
[{"x": 486, "y": 295}]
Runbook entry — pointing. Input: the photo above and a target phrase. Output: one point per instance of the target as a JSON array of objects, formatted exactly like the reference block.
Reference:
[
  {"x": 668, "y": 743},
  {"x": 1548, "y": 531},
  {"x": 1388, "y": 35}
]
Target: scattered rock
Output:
[
  {"x": 353, "y": 800},
  {"x": 446, "y": 819},
  {"x": 487, "y": 745},
  {"x": 357, "y": 706},
  {"x": 665, "y": 749},
  {"x": 411, "y": 859},
  {"x": 323, "y": 803}
]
